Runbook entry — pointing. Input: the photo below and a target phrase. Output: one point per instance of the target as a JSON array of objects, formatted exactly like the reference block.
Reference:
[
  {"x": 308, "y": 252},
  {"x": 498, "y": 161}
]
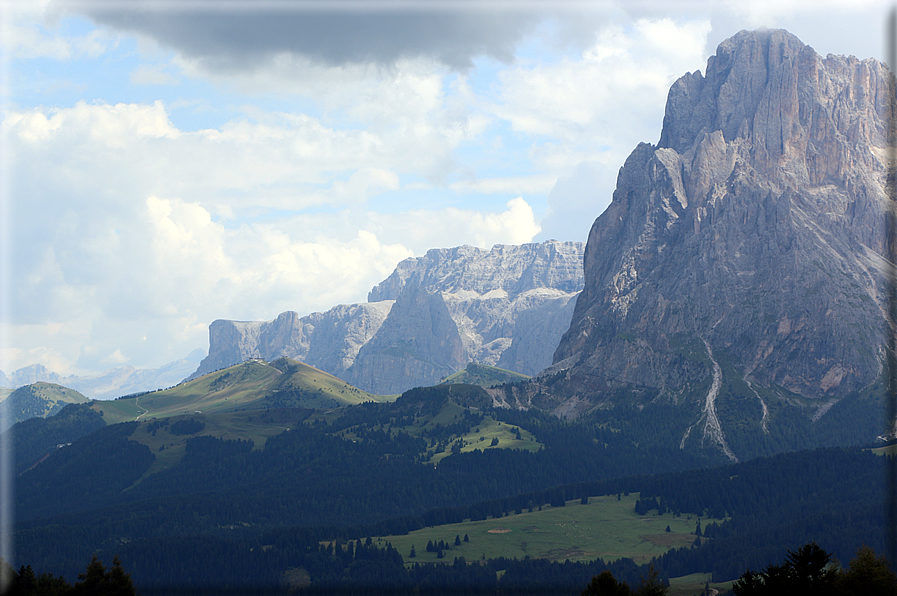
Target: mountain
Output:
[
  {"x": 740, "y": 266},
  {"x": 328, "y": 340},
  {"x": 250, "y": 385},
  {"x": 113, "y": 383},
  {"x": 38, "y": 399},
  {"x": 504, "y": 307}
]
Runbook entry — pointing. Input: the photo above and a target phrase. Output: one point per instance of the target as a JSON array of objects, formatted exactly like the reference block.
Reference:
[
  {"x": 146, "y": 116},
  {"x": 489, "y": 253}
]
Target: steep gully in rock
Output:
[{"x": 712, "y": 429}]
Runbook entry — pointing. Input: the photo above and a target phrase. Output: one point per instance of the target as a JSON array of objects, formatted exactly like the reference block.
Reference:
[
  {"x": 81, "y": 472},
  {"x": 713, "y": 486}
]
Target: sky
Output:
[{"x": 166, "y": 163}]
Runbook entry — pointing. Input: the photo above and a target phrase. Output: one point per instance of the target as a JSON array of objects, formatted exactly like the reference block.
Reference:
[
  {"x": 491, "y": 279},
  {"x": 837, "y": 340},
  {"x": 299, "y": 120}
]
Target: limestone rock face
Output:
[
  {"x": 751, "y": 235},
  {"x": 504, "y": 307},
  {"x": 329, "y": 340},
  {"x": 418, "y": 342},
  {"x": 508, "y": 269}
]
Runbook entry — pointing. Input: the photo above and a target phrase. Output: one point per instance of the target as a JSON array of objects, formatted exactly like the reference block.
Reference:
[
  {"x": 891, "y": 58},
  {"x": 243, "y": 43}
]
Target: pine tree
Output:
[
  {"x": 604, "y": 584},
  {"x": 867, "y": 575},
  {"x": 118, "y": 582},
  {"x": 651, "y": 584}
]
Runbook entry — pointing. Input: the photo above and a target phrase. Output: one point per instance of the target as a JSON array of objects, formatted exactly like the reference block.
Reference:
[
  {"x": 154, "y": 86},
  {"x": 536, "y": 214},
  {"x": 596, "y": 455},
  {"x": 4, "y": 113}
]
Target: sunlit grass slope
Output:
[
  {"x": 434, "y": 414},
  {"x": 254, "y": 384},
  {"x": 483, "y": 375},
  {"x": 607, "y": 528}
]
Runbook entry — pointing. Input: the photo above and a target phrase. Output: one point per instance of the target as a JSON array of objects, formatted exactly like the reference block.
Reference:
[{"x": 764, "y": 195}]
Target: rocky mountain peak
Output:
[
  {"x": 803, "y": 115},
  {"x": 748, "y": 243}
]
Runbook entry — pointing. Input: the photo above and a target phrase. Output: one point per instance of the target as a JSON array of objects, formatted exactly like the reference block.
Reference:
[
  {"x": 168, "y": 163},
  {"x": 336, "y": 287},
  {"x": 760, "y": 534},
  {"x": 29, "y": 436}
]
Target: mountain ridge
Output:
[{"x": 506, "y": 307}]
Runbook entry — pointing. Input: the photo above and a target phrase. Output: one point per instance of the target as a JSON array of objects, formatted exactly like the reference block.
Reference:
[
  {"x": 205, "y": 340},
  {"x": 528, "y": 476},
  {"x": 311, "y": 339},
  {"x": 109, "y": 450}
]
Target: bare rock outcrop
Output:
[
  {"x": 329, "y": 340},
  {"x": 751, "y": 235}
]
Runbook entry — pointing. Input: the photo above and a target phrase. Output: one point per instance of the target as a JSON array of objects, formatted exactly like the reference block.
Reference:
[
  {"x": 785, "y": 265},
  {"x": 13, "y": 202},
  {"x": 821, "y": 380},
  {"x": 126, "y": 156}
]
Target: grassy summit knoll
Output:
[{"x": 253, "y": 384}]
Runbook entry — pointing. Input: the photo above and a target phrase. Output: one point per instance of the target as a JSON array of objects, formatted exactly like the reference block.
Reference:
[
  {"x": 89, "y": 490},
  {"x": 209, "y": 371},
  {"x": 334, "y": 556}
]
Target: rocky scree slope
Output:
[
  {"x": 504, "y": 307},
  {"x": 749, "y": 240}
]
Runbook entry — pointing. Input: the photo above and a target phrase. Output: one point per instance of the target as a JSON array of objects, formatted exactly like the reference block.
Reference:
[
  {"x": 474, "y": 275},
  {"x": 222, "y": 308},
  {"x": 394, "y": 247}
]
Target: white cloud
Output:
[
  {"x": 422, "y": 229},
  {"x": 759, "y": 13},
  {"x": 409, "y": 109},
  {"x": 604, "y": 94},
  {"x": 121, "y": 255},
  {"x": 29, "y": 31},
  {"x": 536, "y": 184},
  {"x": 176, "y": 270}
]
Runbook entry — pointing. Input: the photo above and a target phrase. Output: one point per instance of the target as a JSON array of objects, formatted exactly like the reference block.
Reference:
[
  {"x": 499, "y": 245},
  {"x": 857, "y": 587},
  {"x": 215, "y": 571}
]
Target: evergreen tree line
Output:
[{"x": 95, "y": 581}]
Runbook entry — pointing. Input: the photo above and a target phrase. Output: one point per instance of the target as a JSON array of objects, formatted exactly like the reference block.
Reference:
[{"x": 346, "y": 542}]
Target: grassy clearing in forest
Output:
[
  {"x": 689, "y": 585},
  {"x": 483, "y": 435},
  {"x": 607, "y": 528}
]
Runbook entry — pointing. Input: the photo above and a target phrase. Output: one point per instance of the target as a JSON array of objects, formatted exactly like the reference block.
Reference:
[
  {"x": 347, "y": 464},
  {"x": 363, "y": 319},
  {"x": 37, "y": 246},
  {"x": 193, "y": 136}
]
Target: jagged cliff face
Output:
[
  {"x": 504, "y": 307},
  {"x": 747, "y": 243},
  {"x": 329, "y": 341},
  {"x": 504, "y": 270}
]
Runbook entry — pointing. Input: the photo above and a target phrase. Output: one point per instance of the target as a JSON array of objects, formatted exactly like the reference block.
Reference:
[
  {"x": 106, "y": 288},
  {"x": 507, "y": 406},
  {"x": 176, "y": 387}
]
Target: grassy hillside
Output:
[
  {"x": 607, "y": 528},
  {"x": 444, "y": 416},
  {"x": 167, "y": 437},
  {"x": 40, "y": 400},
  {"x": 483, "y": 375},
  {"x": 252, "y": 385}
]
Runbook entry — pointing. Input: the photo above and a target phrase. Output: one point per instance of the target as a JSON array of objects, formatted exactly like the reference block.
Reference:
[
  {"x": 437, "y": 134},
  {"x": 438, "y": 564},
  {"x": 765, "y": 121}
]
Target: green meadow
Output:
[
  {"x": 482, "y": 437},
  {"x": 607, "y": 528},
  {"x": 689, "y": 585},
  {"x": 254, "y": 384},
  {"x": 479, "y": 437}
]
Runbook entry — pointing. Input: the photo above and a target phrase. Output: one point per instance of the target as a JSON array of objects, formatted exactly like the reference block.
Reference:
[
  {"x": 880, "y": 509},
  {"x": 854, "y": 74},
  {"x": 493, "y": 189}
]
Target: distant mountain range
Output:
[
  {"x": 504, "y": 307},
  {"x": 113, "y": 383}
]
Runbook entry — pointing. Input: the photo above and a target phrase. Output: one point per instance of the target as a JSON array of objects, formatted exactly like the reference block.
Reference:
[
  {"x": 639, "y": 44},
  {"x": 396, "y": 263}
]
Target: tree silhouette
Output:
[
  {"x": 805, "y": 571},
  {"x": 605, "y": 584},
  {"x": 867, "y": 575}
]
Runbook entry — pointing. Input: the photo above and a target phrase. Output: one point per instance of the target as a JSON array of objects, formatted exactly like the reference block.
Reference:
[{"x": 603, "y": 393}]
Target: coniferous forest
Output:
[{"x": 309, "y": 509}]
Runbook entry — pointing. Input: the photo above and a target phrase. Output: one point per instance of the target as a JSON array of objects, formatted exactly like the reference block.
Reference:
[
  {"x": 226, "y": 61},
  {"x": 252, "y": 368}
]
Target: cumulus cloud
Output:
[
  {"x": 176, "y": 270},
  {"x": 609, "y": 88},
  {"x": 28, "y": 39},
  {"x": 134, "y": 240},
  {"x": 586, "y": 113},
  {"x": 451, "y": 226}
]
